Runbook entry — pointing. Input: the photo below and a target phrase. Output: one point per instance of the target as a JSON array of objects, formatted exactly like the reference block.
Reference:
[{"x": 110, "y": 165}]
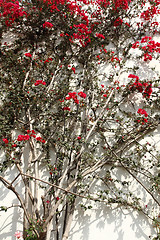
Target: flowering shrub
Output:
[{"x": 78, "y": 83}]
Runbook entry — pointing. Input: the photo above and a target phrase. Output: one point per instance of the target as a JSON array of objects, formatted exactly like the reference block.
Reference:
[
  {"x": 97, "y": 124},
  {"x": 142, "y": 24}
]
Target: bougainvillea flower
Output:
[
  {"x": 40, "y": 139},
  {"x": 5, "y": 140},
  {"x": 82, "y": 95},
  {"x": 28, "y": 55},
  {"x": 23, "y": 137},
  {"x": 73, "y": 69},
  {"x": 14, "y": 145},
  {"x": 66, "y": 108},
  {"x": 148, "y": 91},
  {"x": 18, "y": 234},
  {"x": 47, "y": 24},
  {"x": 133, "y": 76},
  {"x": 39, "y": 82},
  {"x": 143, "y": 112},
  {"x": 100, "y": 35}
]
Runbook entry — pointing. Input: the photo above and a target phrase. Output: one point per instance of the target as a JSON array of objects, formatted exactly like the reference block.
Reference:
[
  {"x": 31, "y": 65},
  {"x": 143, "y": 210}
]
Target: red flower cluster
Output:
[
  {"x": 142, "y": 112},
  {"x": 150, "y": 12},
  {"x": 146, "y": 88},
  {"x": 73, "y": 96},
  {"x": 67, "y": 108},
  {"x": 147, "y": 57},
  {"x": 133, "y": 76},
  {"x": 73, "y": 69},
  {"x": 151, "y": 46},
  {"x": 145, "y": 39},
  {"x": 38, "y": 82},
  {"x": 121, "y": 4},
  {"x": 135, "y": 45},
  {"x": 11, "y": 11},
  {"x": 118, "y": 22},
  {"x": 48, "y": 60},
  {"x": 40, "y": 139},
  {"x": 47, "y": 24},
  {"x": 148, "y": 91},
  {"x": 28, "y": 55},
  {"x": 5, "y": 140},
  {"x": 33, "y": 134},
  {"x": 82, "y": 95},
  {"x": 100, "y": 35},
  {"x": 23, "y": 137}
]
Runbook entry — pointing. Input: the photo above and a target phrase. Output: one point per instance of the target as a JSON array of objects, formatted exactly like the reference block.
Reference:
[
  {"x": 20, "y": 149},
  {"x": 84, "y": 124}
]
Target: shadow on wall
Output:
[
  {"x": 110, "y": 224},
  {"x": 11, "y": 220}
]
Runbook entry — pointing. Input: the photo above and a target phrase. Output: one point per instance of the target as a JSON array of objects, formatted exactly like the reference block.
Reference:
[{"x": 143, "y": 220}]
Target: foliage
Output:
[{"x": 79, "y": 92}]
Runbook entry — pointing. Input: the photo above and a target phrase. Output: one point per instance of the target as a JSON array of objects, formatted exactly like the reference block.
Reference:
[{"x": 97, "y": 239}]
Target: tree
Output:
[{"x": 73, "y": 117}]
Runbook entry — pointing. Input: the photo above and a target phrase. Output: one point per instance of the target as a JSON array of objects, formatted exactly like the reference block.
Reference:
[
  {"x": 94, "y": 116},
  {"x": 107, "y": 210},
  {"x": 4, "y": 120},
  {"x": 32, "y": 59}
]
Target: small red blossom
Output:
[
  {"x": 73, "y": 69},
  {"x": 133, "y": 76},
  {"x": 100, "y": 35},
  {"x": 135, "y": 45},
  {"x": 118, "y": 22},
  {"x": 82, "y": 95},
  {"x": 23, "y": 137},
  {"x": 5, "y": 140},
  {"x": 28, "y": 55},
  {"x": 40, "y": 139},
  {"x": 148, "y": 91},
  {"x": 147, "y": 57},
  {"x": 57, "y": 198},
  {"x": 145, "y": 120},
  {"x": 14, "y": 145},
  {"x": 47, "y": 201},
  {"x": 38, "y": 82},
  {"x": 18, "y": 234},
  {"x": 47, "y": 24},
  {"x": 142, "y": 112},
  {"x": 67, "y": 108},
  {"x": 79, "y": 137}
]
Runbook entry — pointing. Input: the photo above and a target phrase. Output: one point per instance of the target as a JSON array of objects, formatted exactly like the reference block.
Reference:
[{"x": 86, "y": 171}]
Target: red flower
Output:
[
  {"x": 133, "y": 76},
  {"x": 135, "y": 45},
  {"x": 148, "y": 91},
  {"x": 118, "y": 22},
  {"x": 47, "y": 24},
  {"x": 5, "y": 140},
  {"x": 147, "y": 57},
  {"x": 143, "y": 112},
  {"x": 82, "y": 95},
  {"x": 79, "y": 137},
  {"x": 66, "y": 108},
  {"x": 145, "y": 120},
  {"x": 18, "y": 234},
  {"x": 23, "y": 137},
  {"x": 28, "y": 55},
  {"x": 40, "y": 139},
  {"x": 73, "y": 69},
  {"x": 39, "y": 82},
  {"x": 14, "y": 145},
  {"x": 100, "y": 35}
]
